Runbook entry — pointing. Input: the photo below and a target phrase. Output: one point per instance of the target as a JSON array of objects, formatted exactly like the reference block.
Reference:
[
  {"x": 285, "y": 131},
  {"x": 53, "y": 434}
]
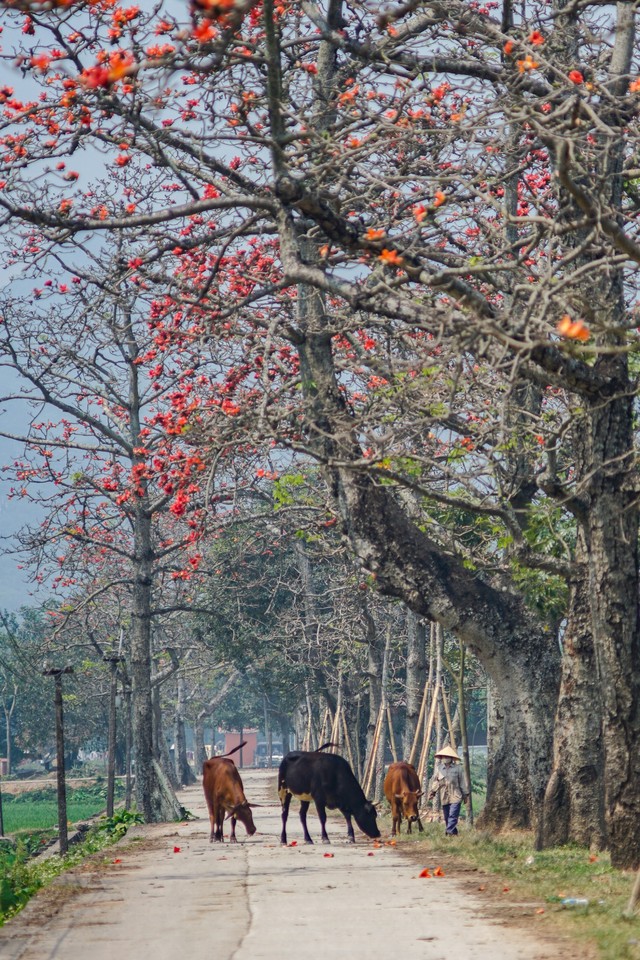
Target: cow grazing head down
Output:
[
  {"x": 328, "y": 781},
  {"x": 225, "y": 797},
  {"x": 242, "y": 812},
  {"x": 366, "y": 818}
]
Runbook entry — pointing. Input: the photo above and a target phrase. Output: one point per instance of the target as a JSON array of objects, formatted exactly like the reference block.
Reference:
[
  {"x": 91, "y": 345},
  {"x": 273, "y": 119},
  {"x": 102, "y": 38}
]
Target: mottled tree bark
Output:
[
  {"x": 574, "y": 798},
  {"x": 415, "y": 677}
]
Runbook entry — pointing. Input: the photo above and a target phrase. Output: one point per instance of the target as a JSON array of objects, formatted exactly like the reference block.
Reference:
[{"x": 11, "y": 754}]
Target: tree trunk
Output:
[
  {"x": 415, "y": 679},
  {"x": 574, "y": 798},
  {"x": 164, "y": 761},
  {"x": 151, "y": 797},
  {"x": 184, "y": 773},
  {"x": 199, "y": 749},
  {"x": 611, "y": 522}
]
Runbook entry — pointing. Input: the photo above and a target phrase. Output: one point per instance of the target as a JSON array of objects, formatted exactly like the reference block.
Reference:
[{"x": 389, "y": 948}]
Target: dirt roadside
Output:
[{"x": 165, "y": 891}]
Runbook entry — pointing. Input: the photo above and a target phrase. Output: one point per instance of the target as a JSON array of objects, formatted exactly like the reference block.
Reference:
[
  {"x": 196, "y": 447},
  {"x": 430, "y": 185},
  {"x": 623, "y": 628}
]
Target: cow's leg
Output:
[
  {"x": 396, "y": 819},
  {"x": 286, "y": 800},
  {"x": 408, "y": 826},
  {"x": 212, "y": 821},
  {"x": 420, "y": 827},
  {"x": 219, "y": 837},
  {"x": 351, "y": 838},
  {"x": 232, "y": 838},
  {"x": 304, "y": 806},
  {"x": 322, "y": 817}
]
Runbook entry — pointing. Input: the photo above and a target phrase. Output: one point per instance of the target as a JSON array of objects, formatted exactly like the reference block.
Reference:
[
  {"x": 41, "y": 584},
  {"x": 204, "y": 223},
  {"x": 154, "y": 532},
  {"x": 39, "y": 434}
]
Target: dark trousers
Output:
[{"x": 451, "y": 812}]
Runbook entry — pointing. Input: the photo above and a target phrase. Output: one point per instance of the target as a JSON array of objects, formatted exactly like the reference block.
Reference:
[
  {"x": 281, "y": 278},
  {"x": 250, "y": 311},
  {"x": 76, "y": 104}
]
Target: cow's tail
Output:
[
  {"x": 325, "y": 746},
  {"x": 235, "y": 749}
]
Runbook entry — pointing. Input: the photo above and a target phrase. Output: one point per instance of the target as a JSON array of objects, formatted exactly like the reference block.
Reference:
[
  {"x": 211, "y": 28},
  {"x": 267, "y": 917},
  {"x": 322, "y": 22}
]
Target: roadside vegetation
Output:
[
  {"x": 530, "y": 886},
  {"x": 22, "y": 874}
]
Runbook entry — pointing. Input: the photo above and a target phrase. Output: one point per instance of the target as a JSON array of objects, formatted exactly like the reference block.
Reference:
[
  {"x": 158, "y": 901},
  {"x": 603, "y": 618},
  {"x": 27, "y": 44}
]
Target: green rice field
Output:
[{"x": 38, "y": 809}]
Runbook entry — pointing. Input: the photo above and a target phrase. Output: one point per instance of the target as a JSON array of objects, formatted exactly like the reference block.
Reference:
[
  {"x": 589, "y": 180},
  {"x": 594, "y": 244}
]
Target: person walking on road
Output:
[{"x": 449, "y": 782}]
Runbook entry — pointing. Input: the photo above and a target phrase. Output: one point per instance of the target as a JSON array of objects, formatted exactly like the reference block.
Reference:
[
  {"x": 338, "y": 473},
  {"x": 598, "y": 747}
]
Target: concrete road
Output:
[{"x": 171, "y": 895}]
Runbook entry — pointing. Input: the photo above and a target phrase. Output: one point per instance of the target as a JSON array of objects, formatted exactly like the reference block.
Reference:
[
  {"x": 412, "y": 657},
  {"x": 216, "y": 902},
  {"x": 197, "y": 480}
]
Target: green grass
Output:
[
  {"x": 43, "y": 815},
  {"x": 540, "y": 880},
  {"x": 38, "y": 809},
  {"x": 21, "y": 876}
]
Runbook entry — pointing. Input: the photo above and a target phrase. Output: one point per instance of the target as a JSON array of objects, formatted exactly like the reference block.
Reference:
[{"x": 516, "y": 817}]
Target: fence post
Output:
[{"x": 56, "y": 673}]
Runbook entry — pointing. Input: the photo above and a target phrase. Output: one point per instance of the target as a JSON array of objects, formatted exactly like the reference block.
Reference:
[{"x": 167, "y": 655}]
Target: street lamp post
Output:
[{"x": 56, "y": 673}]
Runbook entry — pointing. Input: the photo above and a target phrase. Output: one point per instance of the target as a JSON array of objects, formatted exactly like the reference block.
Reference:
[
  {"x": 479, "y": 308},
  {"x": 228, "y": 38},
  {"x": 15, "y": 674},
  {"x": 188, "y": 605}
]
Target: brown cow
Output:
[
  {"x": 224, "y": 794},
  {"x": 402, "y": 790}
]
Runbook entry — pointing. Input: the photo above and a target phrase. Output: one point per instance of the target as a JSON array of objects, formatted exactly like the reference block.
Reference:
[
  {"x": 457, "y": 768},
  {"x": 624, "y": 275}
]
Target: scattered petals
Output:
[
  {"x": 371, "y": 853},
  {"x": 425, "y": 873},
  {"x": 540, "y": 910},
  {"x": 329, "y": 854},
  {"x": 117, "y": 860},
  {"x": 438, "y": 872},
  {"x": 294, "y": 843},
  {"x": 176, "y": 849}
]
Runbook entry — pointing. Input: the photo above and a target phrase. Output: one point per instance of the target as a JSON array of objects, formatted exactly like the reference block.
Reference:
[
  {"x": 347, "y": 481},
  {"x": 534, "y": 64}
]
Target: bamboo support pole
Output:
[
  {"x": 371, "y": 762},
  {"x": 392, "y": 736},
  {"x": 325, "y": 727},
  {"x": 427, "y": 737},
  {"x": 447, "y": 713},
  {"x": 420, "y": 723},
  {"x": 347, "y": 740}
]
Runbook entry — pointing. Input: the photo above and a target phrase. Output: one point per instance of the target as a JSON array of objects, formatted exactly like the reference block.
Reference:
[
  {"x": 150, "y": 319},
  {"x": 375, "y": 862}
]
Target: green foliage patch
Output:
[{"x": 22, "y": 875}]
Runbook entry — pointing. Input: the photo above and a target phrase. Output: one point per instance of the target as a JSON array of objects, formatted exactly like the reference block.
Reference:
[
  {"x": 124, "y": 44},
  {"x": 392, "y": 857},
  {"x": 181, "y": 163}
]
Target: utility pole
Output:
[
  {"x": 113, "y": 660},
  {"x": 56, "y": 673}
]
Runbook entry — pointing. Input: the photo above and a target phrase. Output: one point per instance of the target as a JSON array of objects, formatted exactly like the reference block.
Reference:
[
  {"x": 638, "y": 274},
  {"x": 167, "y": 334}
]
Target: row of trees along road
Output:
[{"x": 402, "y": 243}]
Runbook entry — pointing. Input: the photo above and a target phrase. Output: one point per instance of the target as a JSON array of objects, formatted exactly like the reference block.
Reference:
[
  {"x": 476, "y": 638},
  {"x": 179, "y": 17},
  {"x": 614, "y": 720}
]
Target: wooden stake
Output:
[
  {"x": 392, "y": 736},
  {"x": 445, "y": 704},
  {"x": 371, "y": 763},
  {"x": 347, "y": 740},
  {"x": 420, "y": 723},
  {"x": 427, "y": 737}
]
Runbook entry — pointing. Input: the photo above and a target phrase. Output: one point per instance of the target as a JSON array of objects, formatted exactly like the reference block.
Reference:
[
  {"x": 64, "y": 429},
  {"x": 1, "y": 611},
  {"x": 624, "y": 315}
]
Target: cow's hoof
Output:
[{"x": 309, "y": 841}]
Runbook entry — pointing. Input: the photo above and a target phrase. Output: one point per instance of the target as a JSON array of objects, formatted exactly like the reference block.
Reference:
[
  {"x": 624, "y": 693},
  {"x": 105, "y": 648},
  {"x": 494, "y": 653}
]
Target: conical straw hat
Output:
[{"x": 447, "y": 752}]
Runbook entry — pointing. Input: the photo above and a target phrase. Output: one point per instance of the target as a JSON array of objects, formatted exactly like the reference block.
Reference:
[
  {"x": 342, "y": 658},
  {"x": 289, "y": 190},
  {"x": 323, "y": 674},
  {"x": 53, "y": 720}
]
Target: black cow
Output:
[{"x": 328, "y": 780}]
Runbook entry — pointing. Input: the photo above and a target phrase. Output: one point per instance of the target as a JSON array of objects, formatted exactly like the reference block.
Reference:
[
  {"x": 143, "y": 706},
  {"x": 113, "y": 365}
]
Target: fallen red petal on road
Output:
[
  {"x": 176, "y": 849},
  {"x": 370, "y": 854},
  {"x": 424, "y": 873},
  {"x": 294, "y": 843},
  {"x": 329, "y": 854}
]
